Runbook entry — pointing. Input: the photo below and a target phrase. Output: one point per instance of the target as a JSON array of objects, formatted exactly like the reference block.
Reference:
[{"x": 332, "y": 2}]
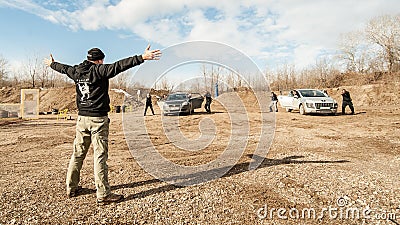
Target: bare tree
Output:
[
  {"x": 120, "y": 81},
  {"x": 385, "y": 32},
  {"x": 164, "y": 84},
  {"x": 3, "y": 71},
  {"x": 232, "y": 80},
  {"x": 32, "y": 70},
  {"x": 204, "y": 74},
  {"x": 285, "y": 77},
  {"x": 43, "y": 75},
  {"x": 212, "y": 75},
  {"x": 355, "y": 52},
  {"x": 52, "y": 78}
]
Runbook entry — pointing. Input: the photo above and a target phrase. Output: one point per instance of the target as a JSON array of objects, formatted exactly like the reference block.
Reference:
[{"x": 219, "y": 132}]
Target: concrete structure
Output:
[
  {"x": 10, "y": 110},
  {"x": 30, "y": 103}
]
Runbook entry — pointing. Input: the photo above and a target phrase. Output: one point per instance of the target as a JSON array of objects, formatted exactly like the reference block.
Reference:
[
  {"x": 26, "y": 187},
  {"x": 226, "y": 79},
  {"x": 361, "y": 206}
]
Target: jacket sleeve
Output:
[
  {"x": 63, "y": 68},
  {"x": 111, "y": 70}
]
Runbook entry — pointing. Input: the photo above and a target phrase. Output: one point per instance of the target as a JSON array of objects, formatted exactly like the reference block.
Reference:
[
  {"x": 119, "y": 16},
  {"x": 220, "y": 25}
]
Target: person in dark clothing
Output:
[
  {"x": 347, "y": 101},
  {"x": 207, "y": 106},
  {"x": 91, "y": 79},
  {"x": 274, "y": 103},
  {"x": 148, "y": 104}
]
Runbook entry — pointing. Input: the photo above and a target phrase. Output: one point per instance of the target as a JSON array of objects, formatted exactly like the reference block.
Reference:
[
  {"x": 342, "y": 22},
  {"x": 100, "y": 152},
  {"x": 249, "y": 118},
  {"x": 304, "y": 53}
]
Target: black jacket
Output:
[
  {"x": 274, "y": 97},
  {"x": 148, "y": 100},
  {"x": 208, "y": 98},
  {"x": 92, "y": 83},
  {"x": 346, "y": 96}
]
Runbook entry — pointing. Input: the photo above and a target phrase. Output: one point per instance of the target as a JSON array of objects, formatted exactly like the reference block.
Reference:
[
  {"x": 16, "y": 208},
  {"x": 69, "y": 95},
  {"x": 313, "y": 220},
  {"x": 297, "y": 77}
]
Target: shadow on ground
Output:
[{"x": 237, "y": 169}]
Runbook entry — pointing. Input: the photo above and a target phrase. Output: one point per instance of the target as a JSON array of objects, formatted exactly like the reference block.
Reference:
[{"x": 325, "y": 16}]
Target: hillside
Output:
[
  {"x": 54, "y": 98},
  {"x": 380, "y": 94},
  {"x": 386, "y": 94}
]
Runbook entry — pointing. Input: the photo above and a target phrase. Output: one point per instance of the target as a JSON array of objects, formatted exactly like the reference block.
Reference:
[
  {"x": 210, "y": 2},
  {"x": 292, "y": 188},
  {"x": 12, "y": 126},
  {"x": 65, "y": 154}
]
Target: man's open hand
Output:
[
  {"x": 151, "y": 54},
  {"x": 48, "y": 61}
]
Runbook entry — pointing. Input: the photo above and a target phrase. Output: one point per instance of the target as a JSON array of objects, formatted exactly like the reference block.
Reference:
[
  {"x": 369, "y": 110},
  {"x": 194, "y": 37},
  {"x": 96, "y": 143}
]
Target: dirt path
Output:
[{"x": 313, "y": 162}]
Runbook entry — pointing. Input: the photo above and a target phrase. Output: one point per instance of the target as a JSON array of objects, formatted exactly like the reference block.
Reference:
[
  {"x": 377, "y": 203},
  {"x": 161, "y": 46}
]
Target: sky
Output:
[{"x": 270, "y": 32}]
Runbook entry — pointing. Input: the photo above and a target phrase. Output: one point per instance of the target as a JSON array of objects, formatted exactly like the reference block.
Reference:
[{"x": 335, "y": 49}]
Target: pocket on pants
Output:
[{"x": 100, "y": 127}]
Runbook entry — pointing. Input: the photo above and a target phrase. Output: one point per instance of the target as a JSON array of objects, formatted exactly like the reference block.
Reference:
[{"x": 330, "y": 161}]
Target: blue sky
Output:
[{"x": 271, "y": 32}]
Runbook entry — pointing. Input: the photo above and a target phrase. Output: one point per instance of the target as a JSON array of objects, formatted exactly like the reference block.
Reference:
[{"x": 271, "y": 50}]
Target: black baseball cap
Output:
[{"x": 95, "y": 54}]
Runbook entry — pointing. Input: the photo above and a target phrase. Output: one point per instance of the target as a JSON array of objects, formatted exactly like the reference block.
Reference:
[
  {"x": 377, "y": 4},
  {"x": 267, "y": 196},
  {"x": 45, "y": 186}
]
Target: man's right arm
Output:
[
  {"x": 63, "y": 68},
  {"x": 59, "y": 67}
]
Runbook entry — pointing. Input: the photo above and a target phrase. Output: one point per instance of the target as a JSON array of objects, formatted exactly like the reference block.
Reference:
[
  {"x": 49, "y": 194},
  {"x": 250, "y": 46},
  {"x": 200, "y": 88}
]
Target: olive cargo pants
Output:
[{"x": 90, "y": 130}]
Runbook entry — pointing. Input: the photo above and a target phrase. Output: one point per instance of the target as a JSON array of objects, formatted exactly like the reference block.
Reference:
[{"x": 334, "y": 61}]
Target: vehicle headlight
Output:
[
  {"x": 185, "y": 103},
  {"x": 165, "y": 106},
  {"x": 310, "y": 105}
]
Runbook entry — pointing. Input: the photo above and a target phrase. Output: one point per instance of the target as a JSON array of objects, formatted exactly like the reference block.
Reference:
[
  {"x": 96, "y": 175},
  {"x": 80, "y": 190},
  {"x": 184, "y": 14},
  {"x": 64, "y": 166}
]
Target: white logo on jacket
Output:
[{"x": 85, "y": 91}]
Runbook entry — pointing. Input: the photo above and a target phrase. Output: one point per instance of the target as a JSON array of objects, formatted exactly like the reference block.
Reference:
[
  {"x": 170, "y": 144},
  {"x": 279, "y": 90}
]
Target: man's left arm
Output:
[{"x": 111, "y": 70}]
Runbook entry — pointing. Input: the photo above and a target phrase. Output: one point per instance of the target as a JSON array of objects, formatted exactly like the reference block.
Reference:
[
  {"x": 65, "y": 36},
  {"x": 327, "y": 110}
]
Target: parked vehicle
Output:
[
  {"x": 308, "y": 101},
  {"x": 182, "y": 102}
]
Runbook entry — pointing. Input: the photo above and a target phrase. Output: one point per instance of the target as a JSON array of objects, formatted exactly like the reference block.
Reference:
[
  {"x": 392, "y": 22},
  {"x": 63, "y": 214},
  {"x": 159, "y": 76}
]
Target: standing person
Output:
[
  {"x": 274, "y": 102},
  {"x": 346, "y": 102},
  {"x": 91, "y": 79},
  {"x": 148, "y": 104},
  {"x": 207, "y": 106}
]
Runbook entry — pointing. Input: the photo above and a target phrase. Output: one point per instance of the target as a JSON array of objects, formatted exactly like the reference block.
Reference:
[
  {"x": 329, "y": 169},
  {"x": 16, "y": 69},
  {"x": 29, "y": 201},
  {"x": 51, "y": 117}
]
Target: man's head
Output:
[
  {"x": 95, "y": 55},
  {"x": 344, "y": 91}
]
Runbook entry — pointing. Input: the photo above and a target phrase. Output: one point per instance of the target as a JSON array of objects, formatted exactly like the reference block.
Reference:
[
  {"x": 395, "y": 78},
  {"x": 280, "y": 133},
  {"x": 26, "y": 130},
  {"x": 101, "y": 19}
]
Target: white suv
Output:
[{"x": 308, "y": 101}]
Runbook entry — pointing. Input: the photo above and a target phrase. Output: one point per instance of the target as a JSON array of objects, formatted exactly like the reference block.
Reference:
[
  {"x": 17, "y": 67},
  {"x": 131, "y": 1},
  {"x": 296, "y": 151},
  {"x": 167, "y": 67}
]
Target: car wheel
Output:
[
  {"x": 288, "y": 110},
  {"x": 302, "y": 110}
]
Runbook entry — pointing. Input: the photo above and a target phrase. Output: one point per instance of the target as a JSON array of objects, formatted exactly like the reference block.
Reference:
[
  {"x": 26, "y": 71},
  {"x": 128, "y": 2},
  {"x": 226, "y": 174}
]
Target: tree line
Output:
[{"x": 364, "y": 56}]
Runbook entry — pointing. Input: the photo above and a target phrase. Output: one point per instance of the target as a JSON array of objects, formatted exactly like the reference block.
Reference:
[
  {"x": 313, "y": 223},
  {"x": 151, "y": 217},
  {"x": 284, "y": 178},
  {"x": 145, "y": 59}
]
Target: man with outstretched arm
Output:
[
  {"x": 347, "y": 101},
  {"x": 91, "y": 79}
]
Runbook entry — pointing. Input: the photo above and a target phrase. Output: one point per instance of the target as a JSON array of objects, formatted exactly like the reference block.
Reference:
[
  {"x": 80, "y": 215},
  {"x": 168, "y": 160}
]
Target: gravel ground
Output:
[{"x": 333, "y": 165}]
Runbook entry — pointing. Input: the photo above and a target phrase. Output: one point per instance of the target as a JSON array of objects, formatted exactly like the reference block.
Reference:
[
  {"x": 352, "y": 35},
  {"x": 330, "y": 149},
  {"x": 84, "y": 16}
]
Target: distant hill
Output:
[{"x": 54, "y": 98}]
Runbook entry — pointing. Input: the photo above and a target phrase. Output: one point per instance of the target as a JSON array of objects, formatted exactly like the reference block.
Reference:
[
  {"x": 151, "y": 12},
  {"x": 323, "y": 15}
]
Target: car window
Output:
[
  {"x": 176, "y": 97},
  {"x": 312, "y": 93},
  {"x": 196, "y": 95}
]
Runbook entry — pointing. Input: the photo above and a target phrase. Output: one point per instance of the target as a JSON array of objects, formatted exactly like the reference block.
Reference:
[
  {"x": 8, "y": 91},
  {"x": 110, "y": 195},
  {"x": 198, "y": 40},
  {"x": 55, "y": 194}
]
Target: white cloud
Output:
[
  {"x": 306, "y": 55},
  {"x": 283, "y": 30}
]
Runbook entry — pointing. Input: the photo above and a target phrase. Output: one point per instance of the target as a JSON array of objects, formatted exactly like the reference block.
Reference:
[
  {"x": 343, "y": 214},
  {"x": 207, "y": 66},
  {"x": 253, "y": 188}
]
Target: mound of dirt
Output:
[
  {"x": 54, "y": 98},
  {"x": 159, "y": 93},
  {"x": 57, "y": 98},
  {"x": 64, "y": 98},
  {"x": 382, "y": 94},
  {"x": 10, "y": 95}
]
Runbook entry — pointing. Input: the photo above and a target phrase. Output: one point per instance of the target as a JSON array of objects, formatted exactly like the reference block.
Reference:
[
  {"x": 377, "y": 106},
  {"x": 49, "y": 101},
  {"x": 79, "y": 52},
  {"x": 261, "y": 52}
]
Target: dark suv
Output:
[{"x": 182, "y": 102}]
